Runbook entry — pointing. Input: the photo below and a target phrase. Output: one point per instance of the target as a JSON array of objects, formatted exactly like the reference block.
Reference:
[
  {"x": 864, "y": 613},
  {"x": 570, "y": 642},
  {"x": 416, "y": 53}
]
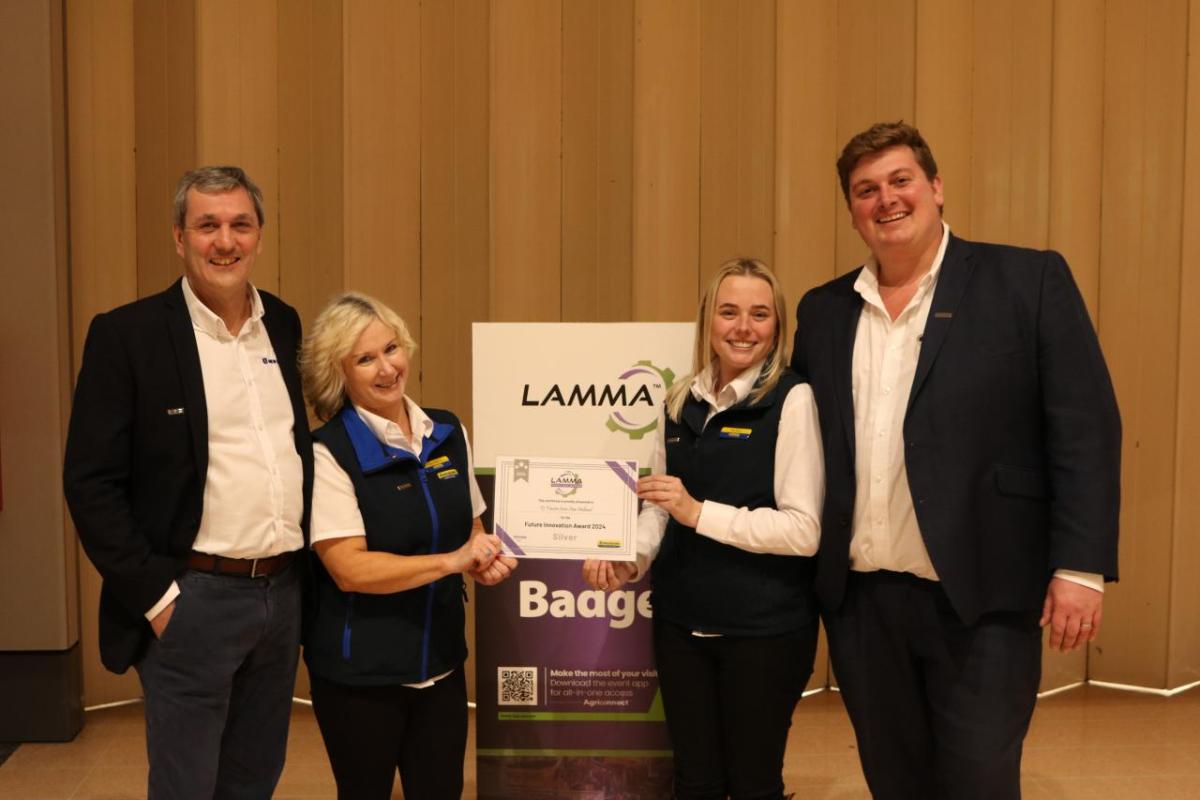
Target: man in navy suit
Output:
[
  {"x": 972, "y": 448},
  {"x": 188, "y": 473}
]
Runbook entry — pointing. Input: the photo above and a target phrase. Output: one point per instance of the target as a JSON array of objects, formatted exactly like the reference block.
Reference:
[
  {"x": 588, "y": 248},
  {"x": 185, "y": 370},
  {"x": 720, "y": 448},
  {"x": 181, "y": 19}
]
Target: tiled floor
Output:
[{"x": 1091, "y": 743}]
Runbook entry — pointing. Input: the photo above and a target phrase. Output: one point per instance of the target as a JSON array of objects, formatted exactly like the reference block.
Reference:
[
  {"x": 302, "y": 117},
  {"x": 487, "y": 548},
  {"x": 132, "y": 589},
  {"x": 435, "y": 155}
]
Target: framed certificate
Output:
[{"x": 567, "y": 508}]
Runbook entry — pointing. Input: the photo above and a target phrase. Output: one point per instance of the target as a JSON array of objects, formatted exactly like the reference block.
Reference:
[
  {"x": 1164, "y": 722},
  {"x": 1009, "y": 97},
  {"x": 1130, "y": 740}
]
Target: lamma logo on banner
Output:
[{"x": 634, "y": 397}]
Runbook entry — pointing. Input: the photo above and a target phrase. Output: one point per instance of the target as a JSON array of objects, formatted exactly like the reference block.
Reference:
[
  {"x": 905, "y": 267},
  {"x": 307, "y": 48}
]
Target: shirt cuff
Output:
[
  {"x": 716, "y": 520},
  {"x": 1091, "y": 580},
  {"x": 163, "y": 602}
]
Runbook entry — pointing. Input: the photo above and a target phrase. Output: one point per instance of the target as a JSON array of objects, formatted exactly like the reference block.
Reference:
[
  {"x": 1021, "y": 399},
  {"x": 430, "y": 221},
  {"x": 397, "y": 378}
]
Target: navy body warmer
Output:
[
  {"x": 410, "y": 507},
  {"x": 708, "y": 586}
]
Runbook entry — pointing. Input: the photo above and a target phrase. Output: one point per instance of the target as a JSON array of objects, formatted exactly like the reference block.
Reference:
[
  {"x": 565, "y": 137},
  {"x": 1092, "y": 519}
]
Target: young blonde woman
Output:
[{"x": 730, "y": 522}]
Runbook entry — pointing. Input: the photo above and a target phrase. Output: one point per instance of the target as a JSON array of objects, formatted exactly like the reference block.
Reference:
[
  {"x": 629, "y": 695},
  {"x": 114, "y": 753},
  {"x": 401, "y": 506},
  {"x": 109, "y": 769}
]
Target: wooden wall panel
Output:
[
  {"x": 1183, "y": 652},
  {"x": 526, "y": 160},
  {"x": 807, "y": 200},
  {"x": 100, "y": 106},
  {"x": 805, "y": 152},
  {"x": 454, "y": 208},
  {"x": 382, "y": 157},
  {"x": 165, "y": 129},
  {"x": 990, "y": 117},
  {"x": 1077, "y": 139},
  {"x": 1011, "y": 122},
  {"x": 944, "y": 99},
  {"x": 1139, "y": 318},
  {"x": 1074, "y": 197},
  {"x": 597, "y": 160},
  {"x": 876, "y": 83},
  {"x": 1031, "y": 23},
  {"x": 666, "y": 160},
  {"x": 311, "y": 192},
  {"x": 455, "y": 43},
  {"x": 103, "y": 239},
  {"x": 237, "y": 109},
  {"x": 737, "y": 132}
]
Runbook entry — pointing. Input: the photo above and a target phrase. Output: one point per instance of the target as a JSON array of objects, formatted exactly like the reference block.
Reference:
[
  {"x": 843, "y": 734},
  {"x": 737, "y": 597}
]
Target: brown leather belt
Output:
[{"x": 240, "y": 567}]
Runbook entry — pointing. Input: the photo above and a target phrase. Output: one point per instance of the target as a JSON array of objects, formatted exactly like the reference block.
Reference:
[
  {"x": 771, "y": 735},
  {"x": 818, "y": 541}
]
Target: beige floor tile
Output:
[
  {"x": 1145, "y": 788},
  {"x": 79, "y": 753},
  {"x": 1090, "y": 744},
  {"x": 1118, "y": 761},
  {"x": 40, "y": 783},
  {"x": 113, "y": 783},
  {"x": 306, "y": 779}
]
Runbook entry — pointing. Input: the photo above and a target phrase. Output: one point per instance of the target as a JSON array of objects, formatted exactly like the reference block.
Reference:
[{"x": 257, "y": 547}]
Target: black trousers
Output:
[
  {"x": 729, "y": 703},
  {"x": 370, "y": 731},
  {"x": 940, "y": 709}
]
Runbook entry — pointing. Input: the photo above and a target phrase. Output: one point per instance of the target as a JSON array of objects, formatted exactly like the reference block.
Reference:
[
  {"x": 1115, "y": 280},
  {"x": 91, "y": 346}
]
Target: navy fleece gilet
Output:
[
  {"x": 708, "y": 586},
  {"x": 410, "y": 506}
]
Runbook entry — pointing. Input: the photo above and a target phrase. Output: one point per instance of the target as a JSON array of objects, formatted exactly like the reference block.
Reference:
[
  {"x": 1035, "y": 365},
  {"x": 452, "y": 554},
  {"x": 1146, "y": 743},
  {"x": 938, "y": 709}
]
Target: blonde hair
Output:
[
  {"x": 703, "y": 355},
  {"x": 331, "y": 338}
]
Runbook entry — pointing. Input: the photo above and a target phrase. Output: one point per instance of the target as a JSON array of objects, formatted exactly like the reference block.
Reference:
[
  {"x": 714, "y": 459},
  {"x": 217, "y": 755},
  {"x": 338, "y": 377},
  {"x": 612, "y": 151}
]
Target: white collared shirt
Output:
[
  {"x": 253, "y": 489},
  {"x": 793, "y": 527},
  {"x": 335, "y": 511},
  {"x": 886, "y": 535}
]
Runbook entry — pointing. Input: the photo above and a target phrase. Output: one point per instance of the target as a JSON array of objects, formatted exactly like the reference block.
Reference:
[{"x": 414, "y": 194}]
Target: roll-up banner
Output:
[{"x": 567, "y": 692}]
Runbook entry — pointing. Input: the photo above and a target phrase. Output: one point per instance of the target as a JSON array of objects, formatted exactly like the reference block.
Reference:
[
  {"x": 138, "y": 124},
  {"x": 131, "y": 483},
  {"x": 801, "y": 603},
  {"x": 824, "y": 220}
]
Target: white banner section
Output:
[{"x": 573, "y": 390}]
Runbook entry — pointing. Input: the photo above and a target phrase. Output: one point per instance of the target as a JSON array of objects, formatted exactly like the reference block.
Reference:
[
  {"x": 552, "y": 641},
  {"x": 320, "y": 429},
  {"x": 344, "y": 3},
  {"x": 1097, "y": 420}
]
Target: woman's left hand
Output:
[
  {"x": 496, "y": 571},
  {"x": 493, "y": 567},
  {"x": 667, "y": 492}
]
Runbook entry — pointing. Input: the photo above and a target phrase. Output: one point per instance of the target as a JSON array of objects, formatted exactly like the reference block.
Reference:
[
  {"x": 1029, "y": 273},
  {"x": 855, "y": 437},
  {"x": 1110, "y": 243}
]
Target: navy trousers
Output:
[
  {"x": 218, "y": 687},
  {"x": 940, "y": 709}
]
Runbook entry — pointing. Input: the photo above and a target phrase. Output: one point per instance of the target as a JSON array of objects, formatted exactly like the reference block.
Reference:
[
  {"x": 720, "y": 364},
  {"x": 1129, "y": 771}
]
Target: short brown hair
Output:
[{"x": 876, "y": 139}]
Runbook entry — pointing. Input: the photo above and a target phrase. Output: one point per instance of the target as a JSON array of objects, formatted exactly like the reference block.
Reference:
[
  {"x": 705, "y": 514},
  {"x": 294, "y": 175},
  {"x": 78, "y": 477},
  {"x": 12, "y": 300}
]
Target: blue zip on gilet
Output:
[{"x": 410, "y": 506}]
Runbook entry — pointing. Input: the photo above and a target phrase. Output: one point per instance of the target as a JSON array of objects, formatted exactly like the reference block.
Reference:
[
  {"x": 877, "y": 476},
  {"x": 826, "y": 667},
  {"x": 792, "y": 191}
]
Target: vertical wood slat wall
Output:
[{"x": 476, "y": 160}]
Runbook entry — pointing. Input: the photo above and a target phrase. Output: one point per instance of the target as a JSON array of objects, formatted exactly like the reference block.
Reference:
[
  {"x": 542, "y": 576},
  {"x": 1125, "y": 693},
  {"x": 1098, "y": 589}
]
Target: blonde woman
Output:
[
  {"x": 731, "y": 521},
  {"x": 395, "y": 525}
]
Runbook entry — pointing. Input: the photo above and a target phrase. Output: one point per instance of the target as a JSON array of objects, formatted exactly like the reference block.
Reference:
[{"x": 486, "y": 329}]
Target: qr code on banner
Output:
[{"x": 517, "y": 686}]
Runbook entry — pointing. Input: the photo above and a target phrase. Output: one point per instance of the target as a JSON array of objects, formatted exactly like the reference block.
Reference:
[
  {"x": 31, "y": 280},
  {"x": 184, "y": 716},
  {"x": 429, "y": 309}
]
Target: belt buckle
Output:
[{"x": 254, "y": 568}]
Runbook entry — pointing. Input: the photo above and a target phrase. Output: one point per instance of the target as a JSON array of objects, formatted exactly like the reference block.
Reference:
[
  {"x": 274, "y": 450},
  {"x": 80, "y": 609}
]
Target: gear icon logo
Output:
[{"x": 637, "y": 428}]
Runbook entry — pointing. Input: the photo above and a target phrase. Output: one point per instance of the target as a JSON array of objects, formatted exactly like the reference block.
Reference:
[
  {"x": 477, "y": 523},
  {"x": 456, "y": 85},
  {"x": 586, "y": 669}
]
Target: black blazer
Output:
[
  {"x": 1012, "y": 434},
  {"x": 137, "y": 454}
]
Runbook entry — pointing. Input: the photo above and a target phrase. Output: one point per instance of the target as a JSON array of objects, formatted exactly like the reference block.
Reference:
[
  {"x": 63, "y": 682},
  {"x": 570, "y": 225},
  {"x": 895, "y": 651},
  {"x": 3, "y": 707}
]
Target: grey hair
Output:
[{"x": 215, "y": 180}]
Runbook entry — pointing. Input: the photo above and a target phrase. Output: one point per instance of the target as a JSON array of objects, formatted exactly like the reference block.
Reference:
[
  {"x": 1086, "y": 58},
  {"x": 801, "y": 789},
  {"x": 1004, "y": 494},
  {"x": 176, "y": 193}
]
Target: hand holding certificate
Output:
[{"x": 567, "y": 508}]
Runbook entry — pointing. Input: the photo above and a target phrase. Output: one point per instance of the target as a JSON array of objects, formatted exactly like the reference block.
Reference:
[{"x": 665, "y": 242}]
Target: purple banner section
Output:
[{"x": 567, "y": 692}]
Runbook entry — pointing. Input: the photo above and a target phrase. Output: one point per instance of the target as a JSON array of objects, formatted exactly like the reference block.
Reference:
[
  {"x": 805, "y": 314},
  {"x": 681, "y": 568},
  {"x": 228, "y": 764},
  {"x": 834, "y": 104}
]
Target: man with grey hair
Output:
[{"x": 188, "y": 473}]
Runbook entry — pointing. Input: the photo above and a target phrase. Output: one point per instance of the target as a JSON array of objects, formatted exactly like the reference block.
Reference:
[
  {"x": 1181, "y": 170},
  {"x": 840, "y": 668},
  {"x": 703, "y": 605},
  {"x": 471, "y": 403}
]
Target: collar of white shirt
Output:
[
  {"x": 867, "y": 283},
  {"x": 731, "y": 393},
  {"x": 204, "y": 319},
  {"x": 392, "y": 434}
]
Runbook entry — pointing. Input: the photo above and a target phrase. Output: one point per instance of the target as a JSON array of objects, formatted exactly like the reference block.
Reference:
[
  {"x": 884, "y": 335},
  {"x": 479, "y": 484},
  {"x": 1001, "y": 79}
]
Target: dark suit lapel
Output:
[
  {"x": 845, "y": 331},
  {"x": 957, "y": 267},
  {"x": 187, "y": 358}
]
